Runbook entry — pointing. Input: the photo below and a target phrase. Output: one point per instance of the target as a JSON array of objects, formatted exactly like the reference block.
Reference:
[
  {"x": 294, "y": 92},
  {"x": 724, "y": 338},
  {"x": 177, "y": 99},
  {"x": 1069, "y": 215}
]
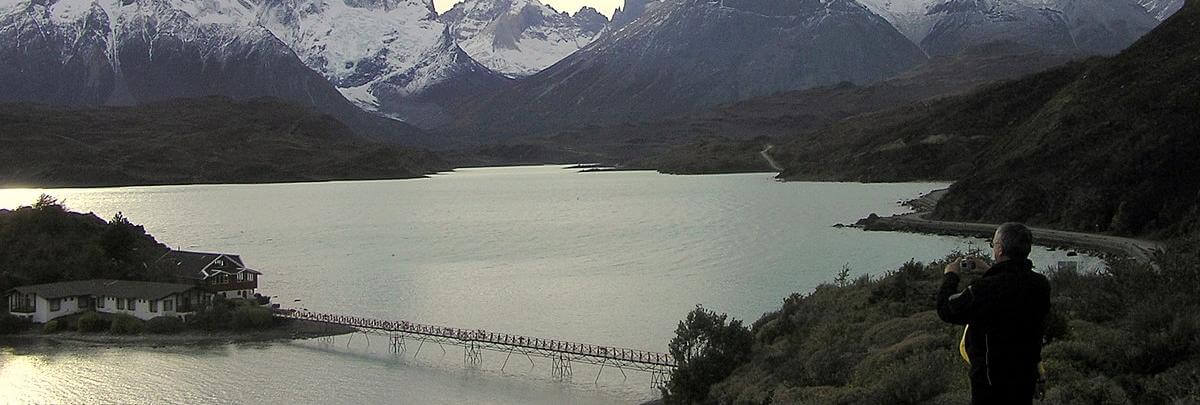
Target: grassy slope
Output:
[
  {"x": 1105, "y": 145},
  {"x": 1131, "y": 335},
  {"x": 206, "y": 140}
]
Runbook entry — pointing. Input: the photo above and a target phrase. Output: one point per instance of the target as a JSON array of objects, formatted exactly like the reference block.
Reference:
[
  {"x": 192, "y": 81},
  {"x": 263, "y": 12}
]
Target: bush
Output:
[
  {"x": 127, "y": 325},
  {"x": 707, "y": 349},
  {"x": 10, "y": 323},
  {"x": 214, "y": 316},
  {"x": 248, "y": 317},
  {"x": 91, "y": 322},
  {"x": 53, "y": 326},
  {"x": 164, "y": 325}
]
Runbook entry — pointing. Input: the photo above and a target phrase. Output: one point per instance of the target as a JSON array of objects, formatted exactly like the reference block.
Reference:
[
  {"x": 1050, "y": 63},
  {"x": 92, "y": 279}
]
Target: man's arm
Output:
[{"x": 954, "y": 306}]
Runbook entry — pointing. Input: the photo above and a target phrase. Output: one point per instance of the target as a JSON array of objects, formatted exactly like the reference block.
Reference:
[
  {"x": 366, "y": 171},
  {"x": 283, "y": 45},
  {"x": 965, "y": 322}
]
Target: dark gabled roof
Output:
[
  {"x": 111, "y": 288},
  {"x": 185, "y": 264}
]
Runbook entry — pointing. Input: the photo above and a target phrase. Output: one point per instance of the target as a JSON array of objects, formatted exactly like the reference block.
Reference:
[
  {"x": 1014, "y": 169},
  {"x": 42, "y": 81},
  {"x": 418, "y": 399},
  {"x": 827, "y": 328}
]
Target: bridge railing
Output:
[{"x": 480, "y": 335}]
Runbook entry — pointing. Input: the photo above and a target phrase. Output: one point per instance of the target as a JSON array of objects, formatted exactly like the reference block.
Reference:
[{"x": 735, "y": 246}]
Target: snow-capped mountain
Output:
[
  {"x": 1057, "y": 26},
  {"x": 687, "y": 54},
  {"x": 94, "y": 52},
  {"x": 1067, "y": 26},
  {"x": 385, "y": 55},
  {"x": 520, "y": 37},
  {"x": 910, "y": 17},
  {"x": 1161, "y": 9}
]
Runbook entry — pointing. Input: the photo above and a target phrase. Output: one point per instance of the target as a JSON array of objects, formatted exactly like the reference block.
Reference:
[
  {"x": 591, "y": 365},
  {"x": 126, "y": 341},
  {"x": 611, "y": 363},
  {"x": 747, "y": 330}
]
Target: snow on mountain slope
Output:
[
  {"x": 85, "y": 52},
  {"x": 916, "y": 18},
  {"x": 520, "y": 37},
  {"x": 1161, "y": 9},
  {"x": 910, "y": 17},
  {"x": 1083, "y": 27},
  {"x": 380, "y": 53}
]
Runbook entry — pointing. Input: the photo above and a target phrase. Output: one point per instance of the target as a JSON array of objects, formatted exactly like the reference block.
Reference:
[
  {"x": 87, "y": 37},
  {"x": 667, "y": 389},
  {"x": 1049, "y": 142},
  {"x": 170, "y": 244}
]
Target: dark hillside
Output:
[
  {"x": 1117, "y": 150},
  {"x": 205, "y": 140},
  {"x": 1126, "y": 335},
  {"x": 45, "y": 243},
  {"x": 1105, "y": 145},
  {"x": 684, "y": 143}
]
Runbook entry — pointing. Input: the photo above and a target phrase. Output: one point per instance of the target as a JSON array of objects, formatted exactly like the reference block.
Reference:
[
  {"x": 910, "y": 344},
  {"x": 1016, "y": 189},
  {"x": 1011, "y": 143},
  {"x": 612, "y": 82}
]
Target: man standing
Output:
[{"x": 1004, "y": 312}]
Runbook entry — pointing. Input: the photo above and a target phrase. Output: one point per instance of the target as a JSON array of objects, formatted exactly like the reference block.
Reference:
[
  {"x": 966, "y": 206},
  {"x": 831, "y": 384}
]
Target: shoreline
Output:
[
  {"x": 292, "y": 330},
  {"x": 915, "y": 222}
]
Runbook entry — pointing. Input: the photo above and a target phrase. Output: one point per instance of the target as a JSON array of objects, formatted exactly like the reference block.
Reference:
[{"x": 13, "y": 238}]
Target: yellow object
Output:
[{"x": 962, "y": 346}]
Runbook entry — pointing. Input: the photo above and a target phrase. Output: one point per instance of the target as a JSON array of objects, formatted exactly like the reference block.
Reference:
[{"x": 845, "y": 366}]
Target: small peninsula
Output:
[{"x": 73, "y": 277}]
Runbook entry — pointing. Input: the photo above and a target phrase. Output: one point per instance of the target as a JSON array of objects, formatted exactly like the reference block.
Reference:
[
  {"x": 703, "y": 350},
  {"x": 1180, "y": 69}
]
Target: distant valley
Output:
[{"x": 838, "y": 89}]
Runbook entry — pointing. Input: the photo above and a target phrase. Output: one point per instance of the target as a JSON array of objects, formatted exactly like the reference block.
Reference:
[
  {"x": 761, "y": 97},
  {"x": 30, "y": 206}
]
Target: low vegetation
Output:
[
  {"x": 13, "y": 324},
  {"x": 123, "y": 324},
  {"x": 165, "y": 325},
  {"x": 92, "y": 322},
  {"x": 1127, "y": 334},
  {"x": 188, "y": 141},
  {"x": 236, "y": 314}
]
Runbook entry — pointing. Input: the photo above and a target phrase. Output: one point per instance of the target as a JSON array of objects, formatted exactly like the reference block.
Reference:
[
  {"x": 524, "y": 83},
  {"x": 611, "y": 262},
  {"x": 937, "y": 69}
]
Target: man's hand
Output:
[
  {"x": 957, "y": 265},
  {"x": 953, "y": 267}
]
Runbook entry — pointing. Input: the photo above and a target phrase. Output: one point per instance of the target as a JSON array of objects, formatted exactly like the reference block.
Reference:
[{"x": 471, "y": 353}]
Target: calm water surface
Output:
[{"x": 608, "y": 258}]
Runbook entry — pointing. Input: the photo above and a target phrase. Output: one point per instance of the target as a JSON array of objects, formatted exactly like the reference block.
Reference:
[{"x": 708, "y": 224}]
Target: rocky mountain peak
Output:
[
  {"x": 590, "y": 21},
  {"x": 520, "y": 37},
  {"x": 629, "y": 12}
]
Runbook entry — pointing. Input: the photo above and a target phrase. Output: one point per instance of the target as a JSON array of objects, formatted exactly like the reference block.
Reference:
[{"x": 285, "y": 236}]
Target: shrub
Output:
[
  {"x": 214, "y": 316},
  {"x": 261, "y": 299},
  {"x": 91, "y": 322},
  {"x": 248, "y": 317},
  {"x": 127, "y": 325},
  {"x": 53, "y": 326},
  {"x": 10, "y": 323},
  {"x": 164, "y": 325},
  {"x": 707, "y": 349}
]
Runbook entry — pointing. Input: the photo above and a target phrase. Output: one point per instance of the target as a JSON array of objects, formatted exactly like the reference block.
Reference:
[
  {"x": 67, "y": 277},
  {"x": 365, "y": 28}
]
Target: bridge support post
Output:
[
  {"x": 659, "y": 379},
  {"x": 397, "y": 344},
  {"x": 472, "y": 355},
  {"x": 561, "y": 367}
]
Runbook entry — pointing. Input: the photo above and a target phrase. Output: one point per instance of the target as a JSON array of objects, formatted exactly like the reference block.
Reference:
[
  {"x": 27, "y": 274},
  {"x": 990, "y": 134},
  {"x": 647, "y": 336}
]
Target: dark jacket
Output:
[{"x": 1006, "y": 311}]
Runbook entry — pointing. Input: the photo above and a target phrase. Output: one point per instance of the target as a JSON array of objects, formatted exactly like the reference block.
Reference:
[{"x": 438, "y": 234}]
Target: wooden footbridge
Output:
[{"x": 561, "y": 353}]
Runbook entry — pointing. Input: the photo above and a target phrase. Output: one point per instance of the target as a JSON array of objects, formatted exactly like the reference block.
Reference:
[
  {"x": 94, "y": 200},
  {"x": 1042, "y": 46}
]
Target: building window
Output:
[
  {"x": 132, "y": 305},
  {"x": 55, "y": 304},
  {"x": 153, "y": 306},
  {"x": 100, "y": 301},
  {"x": 168, "y": 305},
  {"x": 121, "y": 304}
]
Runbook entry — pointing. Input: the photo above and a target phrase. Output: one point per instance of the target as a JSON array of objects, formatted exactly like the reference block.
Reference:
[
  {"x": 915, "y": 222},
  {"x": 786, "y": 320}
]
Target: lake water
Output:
[{"x": 614, "y": 258}]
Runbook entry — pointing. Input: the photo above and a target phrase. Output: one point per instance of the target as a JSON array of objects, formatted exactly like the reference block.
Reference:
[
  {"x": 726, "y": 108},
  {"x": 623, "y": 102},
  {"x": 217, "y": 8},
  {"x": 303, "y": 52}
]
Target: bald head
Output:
[{"x": 1012, "y": 241}]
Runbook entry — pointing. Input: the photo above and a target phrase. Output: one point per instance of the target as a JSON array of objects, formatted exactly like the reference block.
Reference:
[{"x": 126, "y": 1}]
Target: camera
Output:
[{"x": 967, "y": 264}]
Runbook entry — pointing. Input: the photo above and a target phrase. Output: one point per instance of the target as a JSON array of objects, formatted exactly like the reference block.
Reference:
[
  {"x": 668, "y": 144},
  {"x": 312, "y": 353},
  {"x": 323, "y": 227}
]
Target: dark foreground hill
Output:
[
  {"x": 205, "y": 140},
  {"x": 1104, "y": 145},
  {"x": 1127, "y": 335}
]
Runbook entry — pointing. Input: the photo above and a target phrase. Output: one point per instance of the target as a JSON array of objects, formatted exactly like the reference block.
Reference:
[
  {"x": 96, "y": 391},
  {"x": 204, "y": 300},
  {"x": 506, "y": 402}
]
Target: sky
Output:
[{"x": 605, "y": 7}]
